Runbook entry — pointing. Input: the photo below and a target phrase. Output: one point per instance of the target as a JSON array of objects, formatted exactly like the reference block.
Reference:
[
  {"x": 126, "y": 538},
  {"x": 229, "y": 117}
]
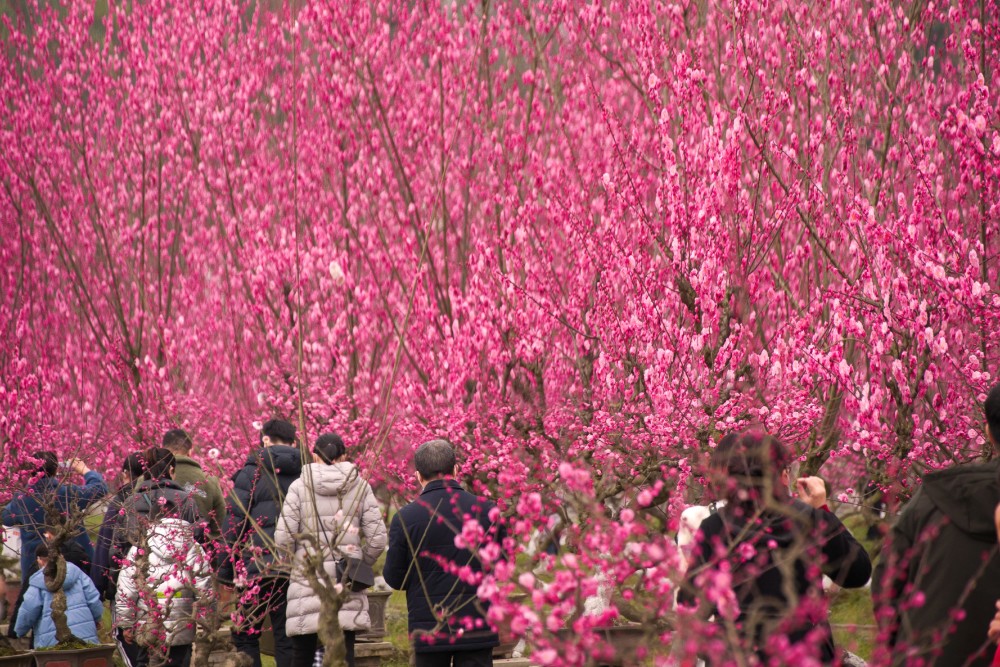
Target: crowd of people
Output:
[
  {"x": 293, "y": 541},
  {"x": 298, "y": 531}
]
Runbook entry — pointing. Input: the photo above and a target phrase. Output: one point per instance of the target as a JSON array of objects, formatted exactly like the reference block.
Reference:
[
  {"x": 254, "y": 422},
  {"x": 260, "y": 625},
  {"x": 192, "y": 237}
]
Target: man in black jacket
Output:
[
  {"x": 939, "y": 577},
  {"x": 252, "y": 511},
  {"x": 447, "y": 620}
]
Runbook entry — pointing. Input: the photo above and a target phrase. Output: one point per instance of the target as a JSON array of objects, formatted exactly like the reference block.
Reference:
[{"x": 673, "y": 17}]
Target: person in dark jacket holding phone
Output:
[
  {"x": 50, "y": 490},
  {"x": 421, "y": 544},
  {"x": 252, "y": 511},
  {"x": 771, "y": 550}
]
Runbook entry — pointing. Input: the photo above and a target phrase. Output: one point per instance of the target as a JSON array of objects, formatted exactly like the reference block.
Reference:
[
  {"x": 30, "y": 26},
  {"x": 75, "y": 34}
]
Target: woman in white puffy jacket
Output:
[
  {"x": 330, "y": 508},
  {"x": 162, "y": 580}
]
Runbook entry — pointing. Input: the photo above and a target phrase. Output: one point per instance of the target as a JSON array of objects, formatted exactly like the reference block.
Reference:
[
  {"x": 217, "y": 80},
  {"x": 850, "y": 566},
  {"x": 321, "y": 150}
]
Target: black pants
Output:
[
  {"x": 304, "y": 649},
  {"x": 177, "y": 656},
  {"x": 479, "y": 658},
  {"x": 271, "y": 601}
]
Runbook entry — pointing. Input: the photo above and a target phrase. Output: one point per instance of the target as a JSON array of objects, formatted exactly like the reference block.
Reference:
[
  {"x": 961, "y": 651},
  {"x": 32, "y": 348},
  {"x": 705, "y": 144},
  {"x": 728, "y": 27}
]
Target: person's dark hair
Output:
[
  {"x": 42, "y": 550},
  {"x": 723, "y": 451},
  {"x": 134, "y": 464},
  {"x": 279, "y": 431},
  {"x": 178, "y": 441},
  {"x": 755, "y": 468},
  {"x": 48, "y": 463},
  {"x": 434, "y": 459},
  {"x": 717, "y": 471},
  {"x": 329, "y": 447},
  {"x": 992, "y": 410},
  {"x": 159, "y": 463}
]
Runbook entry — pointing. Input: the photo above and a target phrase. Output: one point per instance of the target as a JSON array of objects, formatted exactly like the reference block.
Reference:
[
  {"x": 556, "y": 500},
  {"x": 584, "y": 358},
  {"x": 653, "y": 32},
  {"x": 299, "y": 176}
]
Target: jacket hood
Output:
[
  {"x": 163, "y": 483},
  {"x": 167, "y": 535},
  {"x": 967, "y": 495},
  {"x": 330, "y": 479},
  {"x": 73, "y": 574},
  {"x": 278, "y": 459}
]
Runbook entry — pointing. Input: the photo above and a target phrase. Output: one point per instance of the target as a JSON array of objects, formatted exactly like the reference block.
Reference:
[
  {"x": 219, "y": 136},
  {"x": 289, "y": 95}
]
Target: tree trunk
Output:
[{"x": 55, "y": 576}]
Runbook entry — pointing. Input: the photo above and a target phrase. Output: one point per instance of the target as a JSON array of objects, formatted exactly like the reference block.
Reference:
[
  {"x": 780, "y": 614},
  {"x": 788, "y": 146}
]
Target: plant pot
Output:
[
  {"x": 623, "y": 642},
  {"x": 98, "y": 656},
  {"x": 18, "y": 660},
  {"x": 504, "y": 650},
  {"x": 377, "y": 603}
]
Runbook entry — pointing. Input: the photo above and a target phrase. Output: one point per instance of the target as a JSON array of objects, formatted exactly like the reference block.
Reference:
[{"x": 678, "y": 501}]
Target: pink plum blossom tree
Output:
[{"x": 580, "y": 240}]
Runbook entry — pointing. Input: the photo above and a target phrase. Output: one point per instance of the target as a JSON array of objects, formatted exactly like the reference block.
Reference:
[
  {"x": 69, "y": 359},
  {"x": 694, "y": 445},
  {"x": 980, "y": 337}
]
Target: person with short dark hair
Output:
[
  {"x": 333, "y": 508},
  {"x": 27, "y": 510},
  {"x": 50, "y": 491},
  {"x": 768, "y": 543},
  {"x": 461, "y": 636},
  {"x": 252, "y": 511},
  {"x": 189, "y": 474},
  {"x": 942, "y": 547},
  {"x": 83, "y": 605},
  {"x": 156, "y": 496}
]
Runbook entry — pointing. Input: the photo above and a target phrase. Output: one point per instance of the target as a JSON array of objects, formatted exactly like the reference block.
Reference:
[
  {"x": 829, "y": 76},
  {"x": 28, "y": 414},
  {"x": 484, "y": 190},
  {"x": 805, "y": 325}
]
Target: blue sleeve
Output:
[
  {"x": 398, "y": 558},
  {"x": 29, "y": 612},
  {"x": 92, "y": 489},
  {"x": 93, "y": 598},
  {"x": 11, "y": 513}
]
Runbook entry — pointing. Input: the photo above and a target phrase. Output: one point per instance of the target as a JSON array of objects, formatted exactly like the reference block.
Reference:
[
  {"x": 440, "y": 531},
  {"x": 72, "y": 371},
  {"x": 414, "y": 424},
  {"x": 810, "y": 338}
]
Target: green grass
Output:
[
  {"x": 854, "y": 607},
  {"x": 854, "y": 621},
  {"x": 396, "y": 630}
]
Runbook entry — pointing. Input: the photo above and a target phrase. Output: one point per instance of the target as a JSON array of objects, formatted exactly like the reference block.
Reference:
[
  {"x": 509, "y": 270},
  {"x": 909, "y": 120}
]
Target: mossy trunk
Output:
[
  {"x": 55, "y": 577},
  {"x": 330, "y": 634}
]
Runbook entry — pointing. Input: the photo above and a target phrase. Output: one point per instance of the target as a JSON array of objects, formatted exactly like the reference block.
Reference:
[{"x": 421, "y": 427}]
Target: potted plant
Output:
[
  {"x": 51, "y": 512},
  {"x": 70, "y": 651},
  {"x": 12, "y": 657}
]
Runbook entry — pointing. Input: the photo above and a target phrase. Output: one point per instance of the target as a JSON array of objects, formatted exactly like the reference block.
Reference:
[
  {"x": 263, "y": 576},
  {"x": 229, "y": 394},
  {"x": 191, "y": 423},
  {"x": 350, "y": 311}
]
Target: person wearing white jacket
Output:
[
  {"x": 329, "y": 511},
  {"x": 158, "y": 589}
]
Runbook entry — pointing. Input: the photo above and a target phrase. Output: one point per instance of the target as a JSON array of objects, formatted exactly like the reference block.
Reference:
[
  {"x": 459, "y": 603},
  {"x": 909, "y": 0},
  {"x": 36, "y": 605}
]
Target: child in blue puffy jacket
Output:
[{"x": 83, "y": 605}]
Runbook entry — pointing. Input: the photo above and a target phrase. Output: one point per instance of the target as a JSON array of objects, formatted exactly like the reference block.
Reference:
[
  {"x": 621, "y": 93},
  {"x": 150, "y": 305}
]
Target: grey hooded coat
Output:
[{"x": 329, "y": 511}]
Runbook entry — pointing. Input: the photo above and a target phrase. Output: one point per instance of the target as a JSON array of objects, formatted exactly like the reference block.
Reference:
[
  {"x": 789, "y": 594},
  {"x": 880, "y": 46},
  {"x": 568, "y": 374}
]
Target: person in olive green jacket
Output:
[{"x": 189, "y": 474}]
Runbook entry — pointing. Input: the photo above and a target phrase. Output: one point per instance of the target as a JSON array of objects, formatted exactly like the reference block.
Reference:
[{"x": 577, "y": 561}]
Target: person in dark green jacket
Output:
[
  {"x": 189, "y": 474},
  {"x": 939, "y": 576}
]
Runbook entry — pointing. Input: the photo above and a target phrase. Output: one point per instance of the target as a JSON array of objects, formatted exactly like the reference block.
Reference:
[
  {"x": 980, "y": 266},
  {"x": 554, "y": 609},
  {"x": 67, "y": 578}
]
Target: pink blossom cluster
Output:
[{"x": 580, "y": 241}]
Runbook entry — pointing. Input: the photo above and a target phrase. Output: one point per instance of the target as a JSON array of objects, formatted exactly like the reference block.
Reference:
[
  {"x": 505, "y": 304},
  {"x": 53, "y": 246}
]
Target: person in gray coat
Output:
[{"x": 331, "y": 512}]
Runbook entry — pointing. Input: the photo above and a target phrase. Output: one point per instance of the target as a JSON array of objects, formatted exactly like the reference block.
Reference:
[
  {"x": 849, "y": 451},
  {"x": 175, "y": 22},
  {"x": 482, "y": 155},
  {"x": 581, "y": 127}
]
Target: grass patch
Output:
[
  {"x": 853, "y": 621},
  {"x": 396, "y": 630},
  {"x": 852, "y": 612}
]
